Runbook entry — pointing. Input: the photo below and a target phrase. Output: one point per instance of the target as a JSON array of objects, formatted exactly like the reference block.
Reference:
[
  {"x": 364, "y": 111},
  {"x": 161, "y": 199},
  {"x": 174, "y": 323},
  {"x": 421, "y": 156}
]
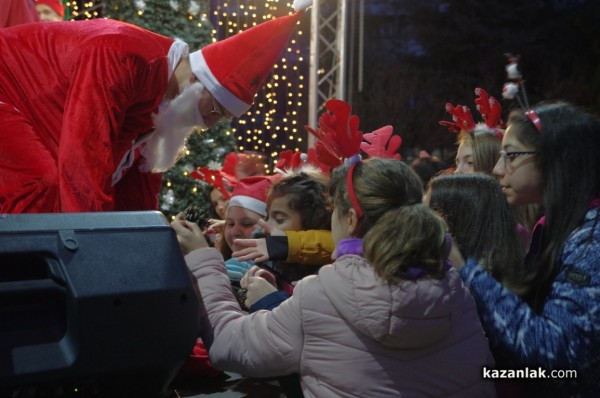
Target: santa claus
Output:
[
  {"x": 50, "y": 10},
  {"x": 92, "y": 112}
]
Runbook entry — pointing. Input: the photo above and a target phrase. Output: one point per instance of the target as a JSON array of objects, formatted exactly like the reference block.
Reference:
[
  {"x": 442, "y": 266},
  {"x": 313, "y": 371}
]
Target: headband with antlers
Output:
[
  {"x": 488, "y": 107},
  {"x": 340, "y": 141}
]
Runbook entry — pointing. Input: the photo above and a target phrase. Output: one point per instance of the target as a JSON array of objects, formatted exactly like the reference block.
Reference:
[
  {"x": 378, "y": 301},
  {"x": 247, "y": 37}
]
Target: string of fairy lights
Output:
[
  {"x": 275, "y": 122},
  {"x": 82, "y": 10}
]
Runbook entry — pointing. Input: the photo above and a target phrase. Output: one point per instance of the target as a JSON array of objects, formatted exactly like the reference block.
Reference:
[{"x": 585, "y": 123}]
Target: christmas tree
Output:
[
  {"x": 183, "y": 20},
  {"x": 203, "y": 149}
]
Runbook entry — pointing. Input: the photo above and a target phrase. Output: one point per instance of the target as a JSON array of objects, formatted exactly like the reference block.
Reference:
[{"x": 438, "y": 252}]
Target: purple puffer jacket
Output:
[{"x": 349, "y": 335}]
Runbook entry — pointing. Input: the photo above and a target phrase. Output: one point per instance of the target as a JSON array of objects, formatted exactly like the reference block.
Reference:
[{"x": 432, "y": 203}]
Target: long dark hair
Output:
[
  {"x": 568, "y": 149},
  {"x": 481, "y": 222}
]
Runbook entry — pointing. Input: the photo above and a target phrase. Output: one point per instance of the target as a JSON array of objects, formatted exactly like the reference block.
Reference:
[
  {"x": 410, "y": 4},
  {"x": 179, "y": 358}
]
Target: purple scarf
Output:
[{"x": 354, "y": 246}]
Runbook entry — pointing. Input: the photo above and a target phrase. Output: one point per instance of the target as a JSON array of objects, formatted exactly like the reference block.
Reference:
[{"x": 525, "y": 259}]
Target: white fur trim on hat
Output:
[
  {"x": 300, "y": 5},
  {"x": 249, "y": 203},
  {"x": 225, "y": 97}
]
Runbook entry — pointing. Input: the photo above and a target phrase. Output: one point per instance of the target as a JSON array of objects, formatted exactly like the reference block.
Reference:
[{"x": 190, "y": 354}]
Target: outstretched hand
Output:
[
  {"x": 254, "y": 250},
  {"x": 189, "y": 234}
]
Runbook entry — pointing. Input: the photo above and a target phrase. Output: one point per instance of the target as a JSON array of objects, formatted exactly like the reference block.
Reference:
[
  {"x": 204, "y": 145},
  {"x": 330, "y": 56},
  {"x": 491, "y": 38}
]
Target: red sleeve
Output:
[
  {"x": 17, "y": 12},
  {"x": 105, "y": 85}
]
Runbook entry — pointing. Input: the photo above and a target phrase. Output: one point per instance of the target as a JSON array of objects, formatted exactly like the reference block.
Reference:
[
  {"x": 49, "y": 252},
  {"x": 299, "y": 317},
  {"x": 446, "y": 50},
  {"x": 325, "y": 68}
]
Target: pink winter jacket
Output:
[{"x": 348, "y": 334}]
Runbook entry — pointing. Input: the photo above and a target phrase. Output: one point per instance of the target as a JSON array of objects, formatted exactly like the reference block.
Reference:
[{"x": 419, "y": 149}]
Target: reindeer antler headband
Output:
[
  {"x": 488, "y": 107},
  {"x": 340, "y": 141}
]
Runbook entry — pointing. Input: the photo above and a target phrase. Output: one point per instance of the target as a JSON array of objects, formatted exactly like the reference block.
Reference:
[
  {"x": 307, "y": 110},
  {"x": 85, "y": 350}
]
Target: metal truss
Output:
[{"x": 327, "y": 72}]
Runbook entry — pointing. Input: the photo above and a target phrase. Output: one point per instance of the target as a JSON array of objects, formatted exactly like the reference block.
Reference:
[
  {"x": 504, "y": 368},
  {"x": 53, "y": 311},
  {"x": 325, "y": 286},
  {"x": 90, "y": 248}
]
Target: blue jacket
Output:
[{"x": 566, "y": 334}]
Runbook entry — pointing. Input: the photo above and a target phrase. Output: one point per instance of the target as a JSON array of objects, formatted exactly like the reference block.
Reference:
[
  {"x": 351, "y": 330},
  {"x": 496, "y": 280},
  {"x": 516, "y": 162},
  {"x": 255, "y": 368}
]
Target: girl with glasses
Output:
[{"x": 550, "y": 320}]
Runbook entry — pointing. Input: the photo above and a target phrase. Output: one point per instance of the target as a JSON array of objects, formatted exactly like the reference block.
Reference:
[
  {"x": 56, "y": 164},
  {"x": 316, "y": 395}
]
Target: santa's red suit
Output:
[{"x": 74, "y": 97}]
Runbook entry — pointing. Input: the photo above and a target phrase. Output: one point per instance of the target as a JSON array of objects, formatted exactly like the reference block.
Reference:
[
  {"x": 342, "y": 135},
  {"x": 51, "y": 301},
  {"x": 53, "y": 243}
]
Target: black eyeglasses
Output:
[
  {"x": 216, "y": 111},
  {"x": 509, "y": 156}
]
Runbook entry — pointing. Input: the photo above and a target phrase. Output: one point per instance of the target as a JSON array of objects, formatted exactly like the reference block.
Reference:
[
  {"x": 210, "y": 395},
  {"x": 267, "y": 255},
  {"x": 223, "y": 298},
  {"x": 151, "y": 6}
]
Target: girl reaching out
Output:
[{"x": 389, "y": 308}]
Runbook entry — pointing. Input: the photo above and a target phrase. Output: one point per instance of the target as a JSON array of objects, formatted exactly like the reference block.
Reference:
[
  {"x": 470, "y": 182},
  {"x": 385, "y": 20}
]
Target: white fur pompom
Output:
[
  {"x": 512, "y": 70},
  {"x": 510, "y": 90},
  {"x": 301, "y": 5}
]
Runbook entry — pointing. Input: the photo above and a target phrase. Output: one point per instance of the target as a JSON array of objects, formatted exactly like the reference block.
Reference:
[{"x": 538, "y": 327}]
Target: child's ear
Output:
[{"x": 352, "y": 222}]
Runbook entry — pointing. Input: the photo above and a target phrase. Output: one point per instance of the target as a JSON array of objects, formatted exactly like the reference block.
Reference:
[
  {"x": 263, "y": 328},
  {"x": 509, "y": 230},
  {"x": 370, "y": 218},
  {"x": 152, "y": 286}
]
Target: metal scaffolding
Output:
[
  {"x": 336, "y": 54},
  {"x": 327, "y": 75}
]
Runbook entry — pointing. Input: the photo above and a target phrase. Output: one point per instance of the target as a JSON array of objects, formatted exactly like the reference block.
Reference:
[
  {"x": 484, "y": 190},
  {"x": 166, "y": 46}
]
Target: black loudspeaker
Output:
[{"x": 96, "y": 300}]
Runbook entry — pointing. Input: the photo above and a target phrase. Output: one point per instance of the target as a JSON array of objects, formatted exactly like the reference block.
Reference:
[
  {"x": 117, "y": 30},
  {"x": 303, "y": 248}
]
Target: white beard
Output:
[{"x": 172, "y": 126}]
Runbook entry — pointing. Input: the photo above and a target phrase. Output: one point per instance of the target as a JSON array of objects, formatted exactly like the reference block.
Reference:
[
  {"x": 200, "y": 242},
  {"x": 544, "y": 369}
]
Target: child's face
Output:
[
  {"x": 464, "y": 158},
  {"x": 520, "y": 177},
  {"x": 282, "y": 217},
  {"x": 46, "y": 13},
  {"x": 219, "y": 203},
  {"x": 239, "y": 224},
  {"x": 339, "y": 228}
]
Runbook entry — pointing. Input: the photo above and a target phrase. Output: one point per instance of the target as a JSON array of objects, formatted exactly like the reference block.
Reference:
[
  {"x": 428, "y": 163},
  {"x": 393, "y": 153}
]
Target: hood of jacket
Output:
[{"x": 411, "y": 314}]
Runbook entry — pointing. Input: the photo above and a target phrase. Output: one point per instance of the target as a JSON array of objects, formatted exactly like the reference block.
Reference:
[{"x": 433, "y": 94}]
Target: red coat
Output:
[{"x": 73, "y": 98}]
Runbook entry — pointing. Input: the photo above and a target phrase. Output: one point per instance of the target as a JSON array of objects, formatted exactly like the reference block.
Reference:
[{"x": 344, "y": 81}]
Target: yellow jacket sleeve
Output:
[{"x": 312, "y": 247}]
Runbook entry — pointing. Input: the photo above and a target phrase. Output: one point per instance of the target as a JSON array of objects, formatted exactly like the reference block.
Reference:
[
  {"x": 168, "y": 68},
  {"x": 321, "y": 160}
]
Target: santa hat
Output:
[
  {"x": 56, "y": 5},
  {"x": 234, "y": 69},
  {"x": 251, "y": 193}
]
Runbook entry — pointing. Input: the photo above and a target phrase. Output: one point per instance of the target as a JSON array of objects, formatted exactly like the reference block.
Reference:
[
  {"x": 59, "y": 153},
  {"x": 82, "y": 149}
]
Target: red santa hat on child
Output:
[
  {"x": 56, "y": 5},
  {"x": 234, "y": 69},
  {"x": 251, "y": 193}
]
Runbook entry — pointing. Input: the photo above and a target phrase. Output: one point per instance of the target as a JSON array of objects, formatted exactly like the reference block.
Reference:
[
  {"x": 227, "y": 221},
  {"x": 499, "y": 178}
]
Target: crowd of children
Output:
[
  {"x": 349, "y": 272},
  {"x": 434, "y": 280}
]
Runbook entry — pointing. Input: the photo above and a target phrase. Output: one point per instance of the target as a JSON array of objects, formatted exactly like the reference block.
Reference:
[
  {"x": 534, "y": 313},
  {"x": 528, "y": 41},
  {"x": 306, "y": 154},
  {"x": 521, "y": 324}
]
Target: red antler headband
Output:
[
  {"x": 339, "y": 140},
  {"x": 289, "y": 160},
  {"x": 491, "y": 112},
  {"x": 338, "y": 135},
  {"x": 381, "y": 143},
  {"x": 216, "y": 178},
  {"x": 515, "y": 89},
  {"x": 352, "y": 191},
  {"x": 462, "y": 120},
  {"x": 489, "y": 109}
]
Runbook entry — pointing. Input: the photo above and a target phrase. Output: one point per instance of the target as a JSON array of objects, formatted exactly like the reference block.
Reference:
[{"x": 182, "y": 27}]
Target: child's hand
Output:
[
  {"x": 189, "y": 234},
  {"x": 254, "y": 250},
  {"x": 257, "y": 288},
  {"x": 216, "y": 225},
  {"x": 260, "y": 272}
]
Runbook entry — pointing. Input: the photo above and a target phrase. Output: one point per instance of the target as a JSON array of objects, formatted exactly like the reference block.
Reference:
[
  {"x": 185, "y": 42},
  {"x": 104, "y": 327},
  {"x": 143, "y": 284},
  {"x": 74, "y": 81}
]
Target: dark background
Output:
[{"x": 422, "y": 54}]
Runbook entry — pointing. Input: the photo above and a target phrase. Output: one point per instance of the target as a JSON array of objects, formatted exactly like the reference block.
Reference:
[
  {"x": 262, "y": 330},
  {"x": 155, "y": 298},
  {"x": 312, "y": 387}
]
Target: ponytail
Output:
[{"x": 406, "y": 237}]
